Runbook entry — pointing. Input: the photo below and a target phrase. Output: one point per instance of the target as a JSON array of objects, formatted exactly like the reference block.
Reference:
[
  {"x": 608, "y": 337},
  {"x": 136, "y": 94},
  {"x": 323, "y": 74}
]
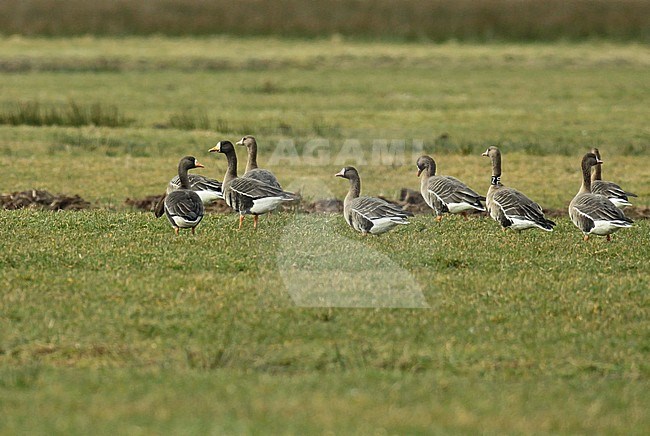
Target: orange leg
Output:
[
  {"x": 255, "y": 218},
  {"x": 176, "y": 230},
  {"x": 439, "y": 218},
  {"x": 241, "y": 221},
  {"x": 586, "y": 237}
]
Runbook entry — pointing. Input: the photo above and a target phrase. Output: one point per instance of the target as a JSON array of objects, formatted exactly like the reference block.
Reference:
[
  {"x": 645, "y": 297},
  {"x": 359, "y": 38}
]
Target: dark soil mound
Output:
[{"x": 38, "y": 199}]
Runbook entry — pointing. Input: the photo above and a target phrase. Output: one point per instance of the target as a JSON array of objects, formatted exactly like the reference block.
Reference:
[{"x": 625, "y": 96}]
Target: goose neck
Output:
[
  {"x": 231, "y": 171},
  {"x": 183, "y": 176},
  {"x": 496, "y": 169},
  {"x": 251, "y": 163},
  {"x": 596, "y": 173},
  {"x": 586, "y": 179},
  {"x": 355, "y": 188},
  {"x": 426, "y": 173}
]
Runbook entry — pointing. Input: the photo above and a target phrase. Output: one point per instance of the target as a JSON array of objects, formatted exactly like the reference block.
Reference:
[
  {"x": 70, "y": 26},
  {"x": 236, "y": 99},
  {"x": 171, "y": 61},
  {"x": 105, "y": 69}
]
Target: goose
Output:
[
  {"x": 594, "y": 213},
  {"x": 509, "y": 207},
  {"x": 246, "y": 195},
  {"x": 445, "y": 193},
  {"x": 252, "y": 171},
  {"x": 611, "y": 190},
  {"x": 184, "y": 207},
  {"x": 209, "y": 190},
  {"x": 369, "y": 214}
]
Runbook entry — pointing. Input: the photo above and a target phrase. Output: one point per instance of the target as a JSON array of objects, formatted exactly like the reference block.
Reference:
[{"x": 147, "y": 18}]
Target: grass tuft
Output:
[{"x": 74, "y": 115}]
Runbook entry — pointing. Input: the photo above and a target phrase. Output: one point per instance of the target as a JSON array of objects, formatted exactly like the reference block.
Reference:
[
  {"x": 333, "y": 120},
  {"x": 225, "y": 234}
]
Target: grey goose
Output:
[
  {"x": 611, "y": 190},
  {"x": 369, "y": 214},
  {"x": 252, "y": 171},
  {"x": 509, "y": 207},
  {"x": 245, "y": 195},
  {"x": 594, "y": 213},
  {"x": 445, "y": 194},
  {"x": 184, "y": 207}
]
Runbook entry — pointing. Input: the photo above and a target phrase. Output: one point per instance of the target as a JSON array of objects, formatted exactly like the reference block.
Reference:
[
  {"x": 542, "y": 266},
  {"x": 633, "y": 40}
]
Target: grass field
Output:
[{"x": 110, "y": 323}]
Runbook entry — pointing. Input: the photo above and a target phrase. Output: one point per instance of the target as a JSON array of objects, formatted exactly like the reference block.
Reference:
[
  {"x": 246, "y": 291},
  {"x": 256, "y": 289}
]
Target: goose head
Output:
[
  {"x": 189, "y": 162},
  {"x": 492, "y": 151},
  {"x": 596, "y": 152},
  {"x": 424, "y": 163},
  {"x": 247, "y": 141},
  {"x": 223, "y": 147},
  {"x": 348, "y": 173},
  {"x": 589, "y": 160}
]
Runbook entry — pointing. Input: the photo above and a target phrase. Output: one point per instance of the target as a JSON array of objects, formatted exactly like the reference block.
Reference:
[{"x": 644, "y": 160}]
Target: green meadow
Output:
[{"x": 109, "y": 323}]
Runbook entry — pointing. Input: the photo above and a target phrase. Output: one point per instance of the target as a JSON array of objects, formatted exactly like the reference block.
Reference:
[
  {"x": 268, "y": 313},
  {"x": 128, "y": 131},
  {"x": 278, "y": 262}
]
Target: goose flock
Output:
[{"x": 597, "y": 208}]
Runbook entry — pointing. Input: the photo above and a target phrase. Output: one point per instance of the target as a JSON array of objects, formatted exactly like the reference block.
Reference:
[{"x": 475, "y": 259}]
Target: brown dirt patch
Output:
[{"x": 44, "y": 200}]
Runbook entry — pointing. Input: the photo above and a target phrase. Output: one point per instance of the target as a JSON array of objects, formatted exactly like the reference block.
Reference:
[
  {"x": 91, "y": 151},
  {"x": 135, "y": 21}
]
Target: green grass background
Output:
[{"x": 110, "y": 323}]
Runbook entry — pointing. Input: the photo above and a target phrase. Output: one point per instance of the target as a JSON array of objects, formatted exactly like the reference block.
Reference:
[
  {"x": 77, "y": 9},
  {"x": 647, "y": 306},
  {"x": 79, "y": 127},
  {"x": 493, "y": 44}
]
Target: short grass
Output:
[{"x": 109, "y": 322}]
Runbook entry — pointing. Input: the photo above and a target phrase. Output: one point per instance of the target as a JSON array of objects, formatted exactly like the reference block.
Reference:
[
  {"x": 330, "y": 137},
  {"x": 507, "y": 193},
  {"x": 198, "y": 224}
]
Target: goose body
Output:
[
  {"x": 252, "y": 171},
  {"x": 184, "y": 209},
  {"x": 183, "y": 206},
  {"x": 369, "y": 214},
  {"x": 445, "y": 194},
  {"x": 611, "y": 190},
  {"x": 246, "y": 195},
  {"x": 594, "y": 213},
  {"x": 253, "y": 197},
  {"x": 509, "y": 207}
]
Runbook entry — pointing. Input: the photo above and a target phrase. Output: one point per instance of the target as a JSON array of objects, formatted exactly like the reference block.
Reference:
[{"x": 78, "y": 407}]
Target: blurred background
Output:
[{"x": 435, "y": 20}]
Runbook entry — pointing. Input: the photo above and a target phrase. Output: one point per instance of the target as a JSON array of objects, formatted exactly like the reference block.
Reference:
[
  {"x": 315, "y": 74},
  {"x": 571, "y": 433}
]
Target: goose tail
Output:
[{"x": 159, "y": 209}]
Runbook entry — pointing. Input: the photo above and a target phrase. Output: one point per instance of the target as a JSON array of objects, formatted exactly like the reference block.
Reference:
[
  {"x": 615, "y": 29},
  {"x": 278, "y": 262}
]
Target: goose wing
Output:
[
  {"x": 516, "y": 206},
  {"x": 450, "y": 190},
  {"x": 197, "y": 183},
  {"x": 264, "y": 176},
  {"x": 374, "y": 215},
  {"x": 256, "y": 189},
  {"x": 610, "y": 190},
  {"x": 185, "y": 204},
  {"x": 598, "y": 208},
  {"x": 375, "y": 208}
]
